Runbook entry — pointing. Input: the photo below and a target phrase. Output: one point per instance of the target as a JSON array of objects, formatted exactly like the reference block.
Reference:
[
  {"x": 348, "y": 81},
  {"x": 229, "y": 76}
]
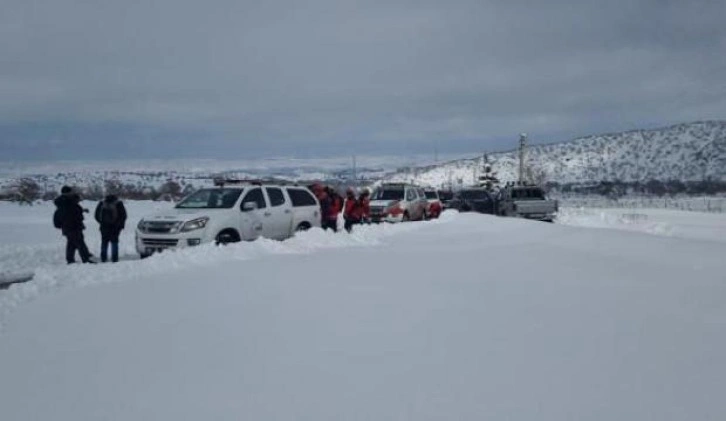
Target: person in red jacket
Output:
[
  {"x": 324, "y": 200},
  {"x": 352, "y": 212},
  {"x": 336, "y": 206}
]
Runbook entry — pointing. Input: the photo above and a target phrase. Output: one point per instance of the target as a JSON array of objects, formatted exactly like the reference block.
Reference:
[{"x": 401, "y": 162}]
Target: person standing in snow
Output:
[
  {"x": 111, "y": 217},
  {"x": 68, "y": 217},
  {"x": 324, "y": 200},
  {"x": 336, "y": 206},
  {"x": 352, "y": 212},
  {"x": 365, "y": 206}
]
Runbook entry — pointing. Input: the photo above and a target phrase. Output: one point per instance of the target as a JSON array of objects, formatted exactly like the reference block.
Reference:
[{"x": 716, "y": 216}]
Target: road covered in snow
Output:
[{"x": 468, "y": 317}]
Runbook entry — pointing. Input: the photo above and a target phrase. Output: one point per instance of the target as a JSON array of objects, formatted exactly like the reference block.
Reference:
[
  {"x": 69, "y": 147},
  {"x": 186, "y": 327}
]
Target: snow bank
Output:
[
  {"x": 686, "y": 225},
  {"x": 41, "y": 249}
]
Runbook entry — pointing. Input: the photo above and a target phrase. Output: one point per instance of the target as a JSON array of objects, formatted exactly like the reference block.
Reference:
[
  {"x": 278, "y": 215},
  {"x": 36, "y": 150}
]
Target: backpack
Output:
[
  {"x": 58, "y": 219},
  {"x": 109, "y": 213}
]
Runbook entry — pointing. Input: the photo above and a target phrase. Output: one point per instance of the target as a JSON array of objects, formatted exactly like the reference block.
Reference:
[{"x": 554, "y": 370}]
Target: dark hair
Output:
[{"x": 66, "y": 190}]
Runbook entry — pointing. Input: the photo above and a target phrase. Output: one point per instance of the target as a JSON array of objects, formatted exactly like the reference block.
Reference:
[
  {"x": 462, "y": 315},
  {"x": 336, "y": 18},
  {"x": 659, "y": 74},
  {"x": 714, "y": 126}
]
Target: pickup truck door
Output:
[
  {"x": 278, "y": 217},
  {"x": 423, "y": 202},
  {"x": 252, "y": 221}
]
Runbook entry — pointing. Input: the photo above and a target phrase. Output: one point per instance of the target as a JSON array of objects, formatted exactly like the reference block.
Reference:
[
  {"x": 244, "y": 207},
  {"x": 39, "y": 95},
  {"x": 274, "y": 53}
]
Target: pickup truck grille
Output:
[
  {"x": 160, "y": 242},
  {"x": 158, "y": 227}
]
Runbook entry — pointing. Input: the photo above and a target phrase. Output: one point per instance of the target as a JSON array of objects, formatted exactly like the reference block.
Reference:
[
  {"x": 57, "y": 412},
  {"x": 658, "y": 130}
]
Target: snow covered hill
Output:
[
  {"x": 405, "y": 322},
  {"x": 684, "y": 152}
]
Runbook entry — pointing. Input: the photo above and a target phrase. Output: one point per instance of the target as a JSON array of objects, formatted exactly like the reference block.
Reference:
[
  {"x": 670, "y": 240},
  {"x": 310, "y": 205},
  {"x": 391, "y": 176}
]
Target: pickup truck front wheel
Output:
[
  {"x": 303, "y": 226},
  {"x": 227, "y": 236}
]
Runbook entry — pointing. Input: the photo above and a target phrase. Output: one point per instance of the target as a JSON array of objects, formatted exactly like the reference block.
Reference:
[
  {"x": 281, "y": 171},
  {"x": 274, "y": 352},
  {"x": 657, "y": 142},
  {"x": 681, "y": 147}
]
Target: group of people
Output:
[
  {"x": 111, "y": 217},
  {"x": 356, "y": 210},
  {"x": 68, "y": 217}
]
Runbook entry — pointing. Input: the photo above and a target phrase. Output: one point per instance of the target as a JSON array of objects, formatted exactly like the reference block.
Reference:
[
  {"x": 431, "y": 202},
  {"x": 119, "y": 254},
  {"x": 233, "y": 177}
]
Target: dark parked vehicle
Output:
[
  {"x": 473, "y": 200},
  {"x": 446, "y": 196}
]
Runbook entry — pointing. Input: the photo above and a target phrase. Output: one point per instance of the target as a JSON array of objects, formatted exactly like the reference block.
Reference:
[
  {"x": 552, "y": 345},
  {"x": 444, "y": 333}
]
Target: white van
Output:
[{"x": 233, "y": 211}]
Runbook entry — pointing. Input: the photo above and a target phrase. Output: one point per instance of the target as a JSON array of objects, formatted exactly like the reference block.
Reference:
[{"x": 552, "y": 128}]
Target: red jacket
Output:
[
  {"x": 336, "y": 205},
  {"x": 351, "y": 209}
]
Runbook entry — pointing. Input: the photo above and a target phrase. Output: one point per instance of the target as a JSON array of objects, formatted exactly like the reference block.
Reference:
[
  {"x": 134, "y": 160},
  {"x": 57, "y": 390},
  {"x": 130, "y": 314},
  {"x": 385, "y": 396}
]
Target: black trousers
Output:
[
  {"x": 349, "y": 222},
  {"x": 109, "y": 236},
  {"x": 331, "y": 223},
  {"x": 75, "y": 241}
]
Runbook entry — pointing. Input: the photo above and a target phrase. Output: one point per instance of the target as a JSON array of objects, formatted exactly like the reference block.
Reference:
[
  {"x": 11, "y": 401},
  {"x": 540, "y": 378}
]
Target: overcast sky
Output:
[{"x": 214, "y": 78}]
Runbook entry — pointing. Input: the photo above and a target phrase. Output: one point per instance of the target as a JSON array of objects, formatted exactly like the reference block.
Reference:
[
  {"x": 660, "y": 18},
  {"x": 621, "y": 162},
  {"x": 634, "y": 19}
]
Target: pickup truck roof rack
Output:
[
  {"x": 520, "y": 184},
  {"x": 221, "y": 182}
]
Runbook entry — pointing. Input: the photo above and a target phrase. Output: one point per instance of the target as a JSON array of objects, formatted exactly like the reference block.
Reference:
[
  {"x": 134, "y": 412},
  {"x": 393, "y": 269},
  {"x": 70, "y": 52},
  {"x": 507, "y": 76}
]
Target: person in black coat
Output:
[
  {"x": 111, "y": 217},
  {"x": 70, "y": 218}
]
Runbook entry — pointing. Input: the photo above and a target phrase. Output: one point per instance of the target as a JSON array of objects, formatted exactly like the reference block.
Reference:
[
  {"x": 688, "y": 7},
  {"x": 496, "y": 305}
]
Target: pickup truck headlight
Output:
[
  {"x": 195, "y": 224},
  {"x": 141, "y": 225}
]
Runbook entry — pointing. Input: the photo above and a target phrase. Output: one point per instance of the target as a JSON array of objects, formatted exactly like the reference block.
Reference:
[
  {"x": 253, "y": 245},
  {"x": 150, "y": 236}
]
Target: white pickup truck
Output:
[
  {"x": 231, "y": 212},
  {"x": 526, "y": 201}
]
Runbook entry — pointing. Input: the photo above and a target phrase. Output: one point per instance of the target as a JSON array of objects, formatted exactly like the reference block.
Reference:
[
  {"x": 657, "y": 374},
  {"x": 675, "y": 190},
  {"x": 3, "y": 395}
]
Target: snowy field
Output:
[
  {"x": 662, "y": 222},
  {"x": 611, "y": 314},
  {"x": 711, "y": 204}
]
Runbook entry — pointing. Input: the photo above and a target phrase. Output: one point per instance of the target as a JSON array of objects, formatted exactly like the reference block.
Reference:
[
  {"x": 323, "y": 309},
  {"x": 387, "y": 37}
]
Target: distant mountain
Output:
[{"x": 685, "y": 152}]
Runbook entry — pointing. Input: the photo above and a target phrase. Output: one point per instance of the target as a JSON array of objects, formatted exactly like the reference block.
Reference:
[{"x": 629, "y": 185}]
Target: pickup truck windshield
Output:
[
  {"x": 531, "y": 194},
  {"x": 388, "y": 194},
  {"x": 211, "y": 199}
]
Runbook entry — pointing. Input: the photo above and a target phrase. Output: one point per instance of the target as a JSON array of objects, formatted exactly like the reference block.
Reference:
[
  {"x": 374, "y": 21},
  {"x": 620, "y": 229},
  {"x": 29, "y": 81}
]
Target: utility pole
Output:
[
  {"x": 522, "y": 155},
  {"x": 355, "y": 170}
]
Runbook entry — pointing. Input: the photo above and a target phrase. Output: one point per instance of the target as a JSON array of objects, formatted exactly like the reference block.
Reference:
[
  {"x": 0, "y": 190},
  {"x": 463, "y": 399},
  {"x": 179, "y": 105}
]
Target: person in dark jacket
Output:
[
  {"x": 325, "y": 203},
  {"x": 111, "y": 217},
  {"x": 365, "y": 206},
  {"x": 70, "y": 217}
]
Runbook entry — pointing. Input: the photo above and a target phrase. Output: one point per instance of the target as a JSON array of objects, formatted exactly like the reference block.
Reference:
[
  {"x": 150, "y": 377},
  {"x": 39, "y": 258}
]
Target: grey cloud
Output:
[{"x": 285, "y": 77}]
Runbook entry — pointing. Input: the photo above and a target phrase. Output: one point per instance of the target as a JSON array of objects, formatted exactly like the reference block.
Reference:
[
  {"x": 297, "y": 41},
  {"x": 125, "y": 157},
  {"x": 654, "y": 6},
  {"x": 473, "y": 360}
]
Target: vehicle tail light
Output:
[{"x": 395, "y": 209}]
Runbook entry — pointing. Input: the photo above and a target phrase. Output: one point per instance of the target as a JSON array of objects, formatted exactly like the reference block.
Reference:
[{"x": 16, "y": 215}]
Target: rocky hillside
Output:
[{"x": 684, "y": 152}]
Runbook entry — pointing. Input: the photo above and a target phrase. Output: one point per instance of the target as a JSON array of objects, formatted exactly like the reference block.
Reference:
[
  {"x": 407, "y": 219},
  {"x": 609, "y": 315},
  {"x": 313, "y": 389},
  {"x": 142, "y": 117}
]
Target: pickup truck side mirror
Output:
[{"x": 249, "y": 206}]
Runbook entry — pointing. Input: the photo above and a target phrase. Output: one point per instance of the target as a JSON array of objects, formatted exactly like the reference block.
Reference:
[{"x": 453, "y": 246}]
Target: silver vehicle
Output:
[
  {"x": 397, "y": 202},
  {"x": 526, "y": 201}
]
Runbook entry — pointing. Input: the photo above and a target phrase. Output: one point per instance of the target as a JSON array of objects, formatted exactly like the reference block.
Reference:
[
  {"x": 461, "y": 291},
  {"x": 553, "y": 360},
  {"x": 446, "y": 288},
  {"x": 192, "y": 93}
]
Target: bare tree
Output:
[
  {"x": 171, "y": 191},
  {"x": 25, "y": 191},
  {"x": 536, "y": 175},
  {"x": 114, "y": 187}
]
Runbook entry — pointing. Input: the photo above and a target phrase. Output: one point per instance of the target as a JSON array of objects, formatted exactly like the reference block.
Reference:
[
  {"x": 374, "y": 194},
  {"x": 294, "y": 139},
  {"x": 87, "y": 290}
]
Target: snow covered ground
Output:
[
  {"x": 468, "y": 317},
  {"x": 664, "y": 222}
]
